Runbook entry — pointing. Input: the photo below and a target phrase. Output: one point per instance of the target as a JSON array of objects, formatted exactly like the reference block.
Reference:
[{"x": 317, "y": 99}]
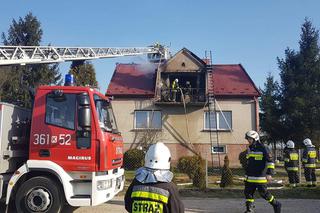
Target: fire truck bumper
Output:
[{"x": 105, "y": 187}]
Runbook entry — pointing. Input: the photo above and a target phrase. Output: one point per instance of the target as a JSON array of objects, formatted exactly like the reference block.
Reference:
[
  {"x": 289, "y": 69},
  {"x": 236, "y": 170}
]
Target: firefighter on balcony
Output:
[
  {"x": 309, "y": 160},
  {"x": 258, "y": 172},
  {"x": 174, "y": 89},
  {"x": 291, "y": 163},
  {"x": 152, "y": 189}
]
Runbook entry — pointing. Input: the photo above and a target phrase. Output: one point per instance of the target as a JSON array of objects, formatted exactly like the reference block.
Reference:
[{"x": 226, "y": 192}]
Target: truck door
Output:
[{"x": 61, "y": 139}]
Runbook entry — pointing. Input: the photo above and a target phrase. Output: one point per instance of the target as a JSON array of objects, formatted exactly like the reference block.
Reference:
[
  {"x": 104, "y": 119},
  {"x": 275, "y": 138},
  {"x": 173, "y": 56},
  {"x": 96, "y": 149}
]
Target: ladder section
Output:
[
  {"x": 23, "y": 55},
  {"x": 212, "y": 109}
]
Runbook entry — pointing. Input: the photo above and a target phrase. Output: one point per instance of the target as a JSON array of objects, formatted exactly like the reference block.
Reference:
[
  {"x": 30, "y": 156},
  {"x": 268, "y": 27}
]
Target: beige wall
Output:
[{"x": 174, "y": 128}]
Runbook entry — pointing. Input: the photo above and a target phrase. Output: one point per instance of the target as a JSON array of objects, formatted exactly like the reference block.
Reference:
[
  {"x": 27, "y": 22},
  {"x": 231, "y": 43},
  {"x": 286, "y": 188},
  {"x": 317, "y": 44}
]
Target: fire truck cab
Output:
[{"x": 75, "y": 150}]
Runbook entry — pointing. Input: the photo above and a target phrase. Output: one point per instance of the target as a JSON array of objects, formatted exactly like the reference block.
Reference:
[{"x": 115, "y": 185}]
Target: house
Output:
[{"x": 209, "y": 114}]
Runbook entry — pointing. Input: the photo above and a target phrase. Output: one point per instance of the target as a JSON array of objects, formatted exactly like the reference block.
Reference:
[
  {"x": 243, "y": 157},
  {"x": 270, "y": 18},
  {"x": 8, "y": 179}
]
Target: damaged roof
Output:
[
  {"x": 136, "y": 80},
  {"x": 133, "y": 80}
]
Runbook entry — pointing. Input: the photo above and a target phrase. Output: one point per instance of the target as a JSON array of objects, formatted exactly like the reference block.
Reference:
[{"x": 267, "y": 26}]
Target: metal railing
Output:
[{"x": 190, "y": 95}]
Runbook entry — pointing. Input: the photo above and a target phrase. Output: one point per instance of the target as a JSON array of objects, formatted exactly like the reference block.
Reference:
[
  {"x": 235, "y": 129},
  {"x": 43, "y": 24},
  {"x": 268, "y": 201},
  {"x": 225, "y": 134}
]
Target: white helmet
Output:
[
  {"x": 290, "y": 144},
  {"x": 252, "y": 134},
  {"x": 176, "y": 80},
  {"x": 307, "y": 142},
  {"x": 158, "y": 157}
]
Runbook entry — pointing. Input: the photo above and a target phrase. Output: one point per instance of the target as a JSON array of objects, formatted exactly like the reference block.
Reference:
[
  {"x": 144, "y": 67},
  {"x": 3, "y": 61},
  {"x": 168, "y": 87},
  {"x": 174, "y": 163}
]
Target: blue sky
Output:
[{"x": 249, "y": 32}]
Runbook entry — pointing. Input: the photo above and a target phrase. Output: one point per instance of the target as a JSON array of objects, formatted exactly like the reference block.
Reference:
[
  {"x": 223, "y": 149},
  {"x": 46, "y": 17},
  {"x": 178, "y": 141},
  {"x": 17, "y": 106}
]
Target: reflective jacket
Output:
[
  {"x": 291, "y": 159},
  {"x": 259, "y": 163},
  {"x": 174, "y": 85},
  {"x": 157, "y": 197},
  {"x": 309, "y": 157}
]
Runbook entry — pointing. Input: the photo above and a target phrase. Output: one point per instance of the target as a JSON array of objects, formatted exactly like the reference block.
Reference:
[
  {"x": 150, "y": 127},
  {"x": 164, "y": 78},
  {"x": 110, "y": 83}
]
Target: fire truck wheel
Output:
[{"x": 39, "y": 194}]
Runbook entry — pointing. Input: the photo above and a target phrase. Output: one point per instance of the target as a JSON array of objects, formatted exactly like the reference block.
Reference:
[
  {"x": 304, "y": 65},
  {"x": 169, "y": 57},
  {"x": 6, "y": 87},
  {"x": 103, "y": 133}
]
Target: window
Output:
[
  {"x": 218, "y": 149},
  {"x": 218, "y": 120},
  {"x": 147, "y": 120},
  {"x": 60, "y": 111},
  {"x": 105, "y": 115}
]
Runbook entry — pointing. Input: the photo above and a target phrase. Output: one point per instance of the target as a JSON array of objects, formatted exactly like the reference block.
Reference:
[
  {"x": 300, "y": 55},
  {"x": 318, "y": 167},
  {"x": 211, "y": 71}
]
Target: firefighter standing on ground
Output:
[
  {"x": 258, "y": 172},
  {"x": 152, "y": 189},
  {"x": 309, "y": 160},
  {"x": 291, "y": 163}
]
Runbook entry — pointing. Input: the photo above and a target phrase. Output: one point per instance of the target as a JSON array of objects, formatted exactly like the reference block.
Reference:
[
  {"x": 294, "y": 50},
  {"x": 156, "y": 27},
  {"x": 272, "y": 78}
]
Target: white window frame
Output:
[
  {"x": 148, "y": 119},
  {"x": 217, "y": 121},
  {"x": 223, "y": 152}
]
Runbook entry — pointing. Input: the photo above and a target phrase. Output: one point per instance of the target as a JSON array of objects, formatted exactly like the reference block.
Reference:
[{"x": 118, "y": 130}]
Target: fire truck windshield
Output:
[{"x": 105, "y": 115}]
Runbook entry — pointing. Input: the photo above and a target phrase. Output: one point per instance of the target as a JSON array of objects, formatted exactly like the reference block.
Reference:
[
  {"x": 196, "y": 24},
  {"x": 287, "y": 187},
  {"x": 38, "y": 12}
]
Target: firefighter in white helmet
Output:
[
  {"x": 309, "y": 160},
  {"x": 152, "y": 189},
  {"x": 259, "y": 169},
  {"x": 291, "y": 163}
]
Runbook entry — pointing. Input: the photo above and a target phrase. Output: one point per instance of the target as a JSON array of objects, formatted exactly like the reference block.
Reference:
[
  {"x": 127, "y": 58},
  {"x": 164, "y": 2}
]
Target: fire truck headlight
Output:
[{"x": 104, "y": 184}]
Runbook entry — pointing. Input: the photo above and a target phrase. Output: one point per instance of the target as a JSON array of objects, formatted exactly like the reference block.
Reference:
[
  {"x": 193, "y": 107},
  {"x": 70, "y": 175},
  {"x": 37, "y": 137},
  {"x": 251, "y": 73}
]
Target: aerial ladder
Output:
[
  {"x": 23, "y": 55},
  {"x": 69, "y": 153}
]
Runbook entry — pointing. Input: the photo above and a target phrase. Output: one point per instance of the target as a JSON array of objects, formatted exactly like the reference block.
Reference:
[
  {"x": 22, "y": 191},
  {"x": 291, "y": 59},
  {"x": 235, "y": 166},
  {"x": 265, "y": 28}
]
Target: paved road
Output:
[
  {"x": 214, "y": 205},
  {"x": 208, "y": 205}
]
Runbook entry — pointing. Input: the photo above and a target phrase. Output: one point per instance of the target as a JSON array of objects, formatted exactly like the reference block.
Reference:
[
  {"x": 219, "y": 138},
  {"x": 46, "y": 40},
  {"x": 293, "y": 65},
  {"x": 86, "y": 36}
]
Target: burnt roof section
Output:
[
  {"x": 138, "y": 80},
  {"x": 134, "y": 80}
]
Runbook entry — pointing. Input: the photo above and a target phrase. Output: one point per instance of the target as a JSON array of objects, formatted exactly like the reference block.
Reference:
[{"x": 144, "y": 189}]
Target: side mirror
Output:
[{"x": 84, "y": 112}]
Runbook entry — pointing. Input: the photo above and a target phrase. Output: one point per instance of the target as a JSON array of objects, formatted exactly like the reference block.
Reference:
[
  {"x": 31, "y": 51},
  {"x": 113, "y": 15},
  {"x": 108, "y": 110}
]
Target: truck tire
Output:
[{"x": 39, "y": 194}]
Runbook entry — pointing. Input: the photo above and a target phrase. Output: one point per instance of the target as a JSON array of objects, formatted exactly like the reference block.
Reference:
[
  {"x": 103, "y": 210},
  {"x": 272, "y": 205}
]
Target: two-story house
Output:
[{"x": 207, "y": 110}]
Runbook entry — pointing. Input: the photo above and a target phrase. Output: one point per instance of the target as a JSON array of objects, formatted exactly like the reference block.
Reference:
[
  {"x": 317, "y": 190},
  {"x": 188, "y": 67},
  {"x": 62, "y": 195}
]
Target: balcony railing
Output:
[{"x": 190, "y": 95}]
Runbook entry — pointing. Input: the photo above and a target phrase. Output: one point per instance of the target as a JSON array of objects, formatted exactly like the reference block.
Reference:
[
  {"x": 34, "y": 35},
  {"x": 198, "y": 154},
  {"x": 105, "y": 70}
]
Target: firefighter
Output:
[
  {"x": 258, "y": 172},
  {"x": 291, "y": 163},
  {"x": 309, "y": 160},
  {"x": 174, "y": 88},
  {"x": 152, "y": 189}
]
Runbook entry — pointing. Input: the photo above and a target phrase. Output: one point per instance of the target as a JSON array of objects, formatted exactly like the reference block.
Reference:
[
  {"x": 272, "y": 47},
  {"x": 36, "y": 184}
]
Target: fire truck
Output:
[{"x": 67, "y": 148}]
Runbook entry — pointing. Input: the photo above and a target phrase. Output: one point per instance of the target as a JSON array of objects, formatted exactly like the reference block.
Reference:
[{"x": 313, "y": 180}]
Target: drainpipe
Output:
[{"x": 257, "y": 112}]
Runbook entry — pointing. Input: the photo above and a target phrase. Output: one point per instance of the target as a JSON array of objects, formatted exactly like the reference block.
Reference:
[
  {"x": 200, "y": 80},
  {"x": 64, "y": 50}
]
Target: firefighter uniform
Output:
[
  {"x": 153, "y": 198},
  {"x": 152, "y": 191},
  {"x": 259, "y": 165},
  {"x": 291, "y": 164},
  {"x": 309, "y": 160},
  {"x": 174, "y": 89}
]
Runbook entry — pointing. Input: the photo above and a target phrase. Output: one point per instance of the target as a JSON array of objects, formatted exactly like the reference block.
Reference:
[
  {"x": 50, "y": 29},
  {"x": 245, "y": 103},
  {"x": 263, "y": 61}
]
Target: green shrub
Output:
[
  {"x": 194, "y": 167},
  {"x": 133, "y": 159},
  {"x": 226, "y": 176}
]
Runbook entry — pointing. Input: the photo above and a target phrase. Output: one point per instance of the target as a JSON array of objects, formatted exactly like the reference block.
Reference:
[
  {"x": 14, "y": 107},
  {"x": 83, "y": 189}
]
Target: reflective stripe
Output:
[
  {"x": 255, "y": 155},
  {"x": 270, "y": 165},
  {"x": 304, "y": 160},
  {"x": 153, "y": 196},
  {"x": 250, "y": 200},
  {"x": 251, "y": 179},
  {"x": 294, "y": 156},
  {"x": 286, "y": 160},
  {"x": 310, "y": 165},
  {"x": 151, "y": 189},
  {"x": 271, "y": 199},
  {"x": 292, "y": 168},
  {"x": 309, "y": 182}
]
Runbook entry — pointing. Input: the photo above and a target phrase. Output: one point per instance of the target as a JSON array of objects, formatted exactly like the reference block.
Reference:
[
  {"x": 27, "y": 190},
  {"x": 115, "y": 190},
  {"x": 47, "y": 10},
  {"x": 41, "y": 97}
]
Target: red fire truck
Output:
[{"x": 67, "y": 149}]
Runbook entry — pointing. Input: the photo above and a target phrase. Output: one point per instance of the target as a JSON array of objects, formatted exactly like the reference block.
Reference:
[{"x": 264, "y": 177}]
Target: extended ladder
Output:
[
  {"x": 23, "y": 55},
  {"x": 214, "y": 136}
]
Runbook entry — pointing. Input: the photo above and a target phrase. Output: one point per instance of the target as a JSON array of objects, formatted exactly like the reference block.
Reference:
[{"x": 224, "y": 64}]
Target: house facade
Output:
[{"x": 207, "y": 111}]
